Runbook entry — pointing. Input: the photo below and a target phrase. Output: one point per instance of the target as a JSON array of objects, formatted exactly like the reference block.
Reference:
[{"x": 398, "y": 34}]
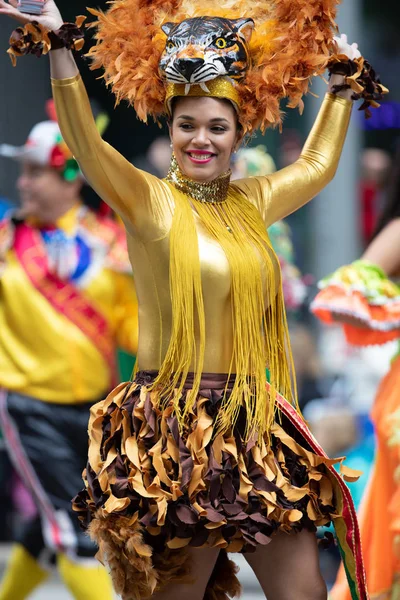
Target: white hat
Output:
[{"x": 39, "y": 146}]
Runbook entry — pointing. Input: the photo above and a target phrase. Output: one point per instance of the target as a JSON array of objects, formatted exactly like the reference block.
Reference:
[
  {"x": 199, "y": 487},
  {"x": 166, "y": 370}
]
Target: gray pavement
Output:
[{"x": 54, "y": 590}]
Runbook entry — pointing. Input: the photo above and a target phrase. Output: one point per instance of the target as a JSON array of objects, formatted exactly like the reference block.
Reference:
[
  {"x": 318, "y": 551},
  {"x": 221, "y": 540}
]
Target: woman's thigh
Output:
[
  {"x": 289, "y": 567},
  {"x": 203, "y": 561}
]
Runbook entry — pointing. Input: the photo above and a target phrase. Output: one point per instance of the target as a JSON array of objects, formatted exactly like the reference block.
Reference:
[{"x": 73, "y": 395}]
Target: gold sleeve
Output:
[
  {"x": 283, "y": 192},
  {"x": 132, "y": 193}
]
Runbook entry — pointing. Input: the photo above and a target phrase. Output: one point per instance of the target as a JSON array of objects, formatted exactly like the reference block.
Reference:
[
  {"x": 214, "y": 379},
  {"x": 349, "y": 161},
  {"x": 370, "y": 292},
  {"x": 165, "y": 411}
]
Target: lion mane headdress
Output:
[{"x": 291, "y": 43}]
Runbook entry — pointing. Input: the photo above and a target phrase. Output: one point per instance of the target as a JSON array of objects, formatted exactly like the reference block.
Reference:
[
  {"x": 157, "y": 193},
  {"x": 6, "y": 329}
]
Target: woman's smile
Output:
[{"x": 200, "y": 157}]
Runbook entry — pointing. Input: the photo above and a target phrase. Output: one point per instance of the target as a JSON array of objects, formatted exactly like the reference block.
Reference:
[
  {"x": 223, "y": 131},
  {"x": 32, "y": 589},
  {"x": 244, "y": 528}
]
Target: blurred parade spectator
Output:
[
  {"x": 375, "y": 168},
  {"x": 157, "y": 158},
  {"x": 365, "y": 298},
  {"x": 67, "y": 300},
  {"x": 290, "y": 147},
  {"x": 308, "y": 367},
  {"x": 5, "y": 207}
]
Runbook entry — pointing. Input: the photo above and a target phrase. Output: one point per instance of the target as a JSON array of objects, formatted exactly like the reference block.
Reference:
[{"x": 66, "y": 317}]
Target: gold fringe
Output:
[
  {"x": 186, "y": 298},
  {"x": 261, "y": 337}
]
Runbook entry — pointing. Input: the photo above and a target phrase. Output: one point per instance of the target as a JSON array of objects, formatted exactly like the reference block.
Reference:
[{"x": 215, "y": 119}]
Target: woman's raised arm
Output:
[
  {"x": 292, "y": 187},
  {"x": 384, "y": 250},
  {"x": 283, "y": 192},
  {"x": 129, "y": 191}
]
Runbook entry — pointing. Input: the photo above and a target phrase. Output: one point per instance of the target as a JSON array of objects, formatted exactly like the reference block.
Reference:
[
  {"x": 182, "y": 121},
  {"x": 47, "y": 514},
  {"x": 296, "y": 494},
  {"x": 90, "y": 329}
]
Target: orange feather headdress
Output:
[{"x": 291, "y": 43}]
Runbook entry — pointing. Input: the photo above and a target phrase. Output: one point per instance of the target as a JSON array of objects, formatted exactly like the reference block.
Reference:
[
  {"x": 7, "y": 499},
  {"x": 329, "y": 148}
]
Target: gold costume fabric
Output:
[
  {"x": 153, "y": 484},
  {"x": 45, "y": 355},
  {"x": 145, "y": 203}
]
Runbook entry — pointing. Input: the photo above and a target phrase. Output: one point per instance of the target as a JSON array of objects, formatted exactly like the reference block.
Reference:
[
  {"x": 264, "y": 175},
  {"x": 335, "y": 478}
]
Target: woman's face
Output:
[{"x": 204, "y": 134}]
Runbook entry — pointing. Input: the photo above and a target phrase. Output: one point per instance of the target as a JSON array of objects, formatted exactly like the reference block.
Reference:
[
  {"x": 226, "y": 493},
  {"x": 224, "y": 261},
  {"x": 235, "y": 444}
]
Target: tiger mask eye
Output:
[{"x": 221, "y": 43}]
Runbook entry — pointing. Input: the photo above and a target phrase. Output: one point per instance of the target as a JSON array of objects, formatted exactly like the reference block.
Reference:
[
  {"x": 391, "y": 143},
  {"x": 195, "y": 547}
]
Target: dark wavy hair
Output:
[{"x": 392, "y": 207}]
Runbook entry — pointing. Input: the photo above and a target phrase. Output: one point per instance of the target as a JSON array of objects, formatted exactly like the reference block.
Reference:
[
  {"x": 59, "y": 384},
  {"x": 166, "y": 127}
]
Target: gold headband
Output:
[{"x": 221, "y": 87}]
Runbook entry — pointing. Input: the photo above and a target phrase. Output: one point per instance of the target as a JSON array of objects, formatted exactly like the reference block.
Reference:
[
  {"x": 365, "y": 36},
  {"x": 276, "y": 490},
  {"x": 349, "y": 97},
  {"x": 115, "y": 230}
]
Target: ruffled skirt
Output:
[{"x": 152, "y": 491}]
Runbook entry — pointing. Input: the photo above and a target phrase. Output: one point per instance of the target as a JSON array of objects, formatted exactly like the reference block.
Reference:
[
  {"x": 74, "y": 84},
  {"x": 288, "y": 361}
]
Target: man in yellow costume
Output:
[{"x": 67, "y": 301}]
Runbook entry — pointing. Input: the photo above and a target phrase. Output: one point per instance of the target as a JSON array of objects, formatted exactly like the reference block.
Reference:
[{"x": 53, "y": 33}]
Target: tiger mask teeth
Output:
[
  {"x": 202, "y": 85},
  {"x": 204, "y": 88}
]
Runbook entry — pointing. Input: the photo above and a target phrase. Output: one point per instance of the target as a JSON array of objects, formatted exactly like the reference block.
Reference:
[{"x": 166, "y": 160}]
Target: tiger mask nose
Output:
[{"x": 187, "y": 66}]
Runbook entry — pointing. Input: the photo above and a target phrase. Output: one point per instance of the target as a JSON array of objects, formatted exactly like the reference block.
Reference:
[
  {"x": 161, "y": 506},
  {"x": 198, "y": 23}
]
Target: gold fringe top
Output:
[{"x": 147, "y": 204}]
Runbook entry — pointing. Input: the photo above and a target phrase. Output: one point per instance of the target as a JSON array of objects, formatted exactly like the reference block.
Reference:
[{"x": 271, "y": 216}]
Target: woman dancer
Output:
[{"x": 199, "y": 455}]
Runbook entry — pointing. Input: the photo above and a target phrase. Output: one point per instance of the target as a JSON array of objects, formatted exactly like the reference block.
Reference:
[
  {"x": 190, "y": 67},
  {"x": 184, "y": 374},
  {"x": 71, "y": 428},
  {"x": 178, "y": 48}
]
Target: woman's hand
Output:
[
  {"x": 339, "y": 80},
  {"x": 50, "y": 17},
  {"x": 61, "y": 61},
  {"x": 352, "y": 52}
]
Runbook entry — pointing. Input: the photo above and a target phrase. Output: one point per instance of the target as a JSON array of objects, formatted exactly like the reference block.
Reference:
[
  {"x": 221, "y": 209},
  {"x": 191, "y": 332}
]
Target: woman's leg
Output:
[
  {"x": 203, "y": 561},
  {"x": 289, "y": 567}
]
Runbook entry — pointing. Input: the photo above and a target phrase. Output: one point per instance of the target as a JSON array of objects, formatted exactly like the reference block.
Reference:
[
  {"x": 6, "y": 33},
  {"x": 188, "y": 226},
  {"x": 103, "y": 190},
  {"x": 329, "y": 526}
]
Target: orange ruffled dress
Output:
[{"x": 362, "y": 290}]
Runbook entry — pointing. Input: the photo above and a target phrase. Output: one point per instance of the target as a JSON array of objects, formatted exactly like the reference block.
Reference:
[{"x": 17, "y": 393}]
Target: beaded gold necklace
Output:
[{"x": 212, "y": 192}]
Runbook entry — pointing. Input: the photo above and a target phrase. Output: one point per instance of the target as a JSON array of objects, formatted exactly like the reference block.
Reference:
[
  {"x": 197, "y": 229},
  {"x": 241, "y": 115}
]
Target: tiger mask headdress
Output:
[
  {"x": 203, "y": 48},
  {"x": 291, "y": 43}
]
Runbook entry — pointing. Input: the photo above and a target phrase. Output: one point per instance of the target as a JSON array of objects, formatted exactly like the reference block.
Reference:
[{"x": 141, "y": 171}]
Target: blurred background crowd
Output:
[{"x": 337, "y": 383}]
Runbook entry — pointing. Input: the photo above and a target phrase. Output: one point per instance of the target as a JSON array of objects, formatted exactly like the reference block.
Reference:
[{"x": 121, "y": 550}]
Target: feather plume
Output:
[{"x": 292, "y": 43}]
